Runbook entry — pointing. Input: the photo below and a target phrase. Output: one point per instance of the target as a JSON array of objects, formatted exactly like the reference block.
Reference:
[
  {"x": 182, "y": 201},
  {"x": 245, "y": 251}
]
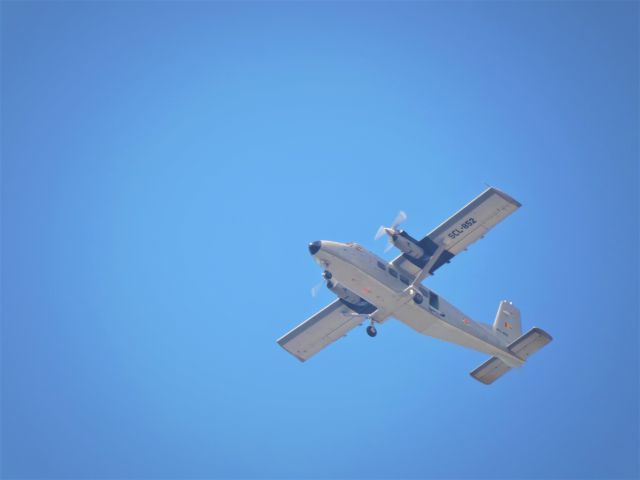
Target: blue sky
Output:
[{"x": 164, "y": 166}]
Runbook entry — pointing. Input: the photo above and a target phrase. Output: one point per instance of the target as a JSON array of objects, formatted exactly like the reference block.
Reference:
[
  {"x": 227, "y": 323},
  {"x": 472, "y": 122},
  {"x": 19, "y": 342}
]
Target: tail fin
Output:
[
  {"x": 507, "y": 322},
  {"x": 523, "y": 347}
]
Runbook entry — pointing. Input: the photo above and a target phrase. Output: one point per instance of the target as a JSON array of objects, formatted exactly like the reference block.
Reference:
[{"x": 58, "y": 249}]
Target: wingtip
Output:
[{"x": 506, "y": 196}]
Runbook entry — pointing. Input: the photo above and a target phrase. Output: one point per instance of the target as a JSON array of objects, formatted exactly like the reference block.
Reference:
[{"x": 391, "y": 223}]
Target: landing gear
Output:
[
  {"x": 371, "y": 329},
  {"x": 418, "y": 298}
]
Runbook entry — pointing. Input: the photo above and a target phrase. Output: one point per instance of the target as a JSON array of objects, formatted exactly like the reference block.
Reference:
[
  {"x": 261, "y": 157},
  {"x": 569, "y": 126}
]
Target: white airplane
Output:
[{"x": 369, "y": 288}]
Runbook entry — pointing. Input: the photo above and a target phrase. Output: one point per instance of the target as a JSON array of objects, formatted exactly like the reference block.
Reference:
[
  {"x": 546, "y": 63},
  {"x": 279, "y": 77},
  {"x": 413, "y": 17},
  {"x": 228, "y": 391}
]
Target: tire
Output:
[
  {"x": 371, "y": 331},
  {"x": 418, "y": 298}
]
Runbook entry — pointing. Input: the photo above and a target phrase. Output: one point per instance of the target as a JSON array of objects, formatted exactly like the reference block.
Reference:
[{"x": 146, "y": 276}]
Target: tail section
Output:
[
  {"x": 523, "y": 347},
  {"x": 507, "y": 322},
  {"x": 490, "y": 371}
]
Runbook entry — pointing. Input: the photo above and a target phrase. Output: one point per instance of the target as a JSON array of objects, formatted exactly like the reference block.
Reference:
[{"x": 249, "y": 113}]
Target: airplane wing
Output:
[
  {"x": 320, "y": 330},
  {"x": 453, "y": 236}
]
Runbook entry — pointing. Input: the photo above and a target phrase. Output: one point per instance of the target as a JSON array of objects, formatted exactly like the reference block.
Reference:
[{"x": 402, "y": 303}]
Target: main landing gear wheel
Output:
[
  {"x": 371, "y": 331},
  {"x": 418, "y": 298}
]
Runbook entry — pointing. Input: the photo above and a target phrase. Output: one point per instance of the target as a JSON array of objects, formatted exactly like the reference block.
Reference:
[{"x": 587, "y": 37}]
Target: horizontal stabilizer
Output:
[
  {"x": 523, "y": 347},
  {"x": 530, "y": 343},
  {"x": 490, "y": 370}
]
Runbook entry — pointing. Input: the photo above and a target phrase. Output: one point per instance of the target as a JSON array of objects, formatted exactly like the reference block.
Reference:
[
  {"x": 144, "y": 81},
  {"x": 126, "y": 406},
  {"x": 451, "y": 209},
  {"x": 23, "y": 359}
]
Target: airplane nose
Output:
[{"x": 314, "y": 247}]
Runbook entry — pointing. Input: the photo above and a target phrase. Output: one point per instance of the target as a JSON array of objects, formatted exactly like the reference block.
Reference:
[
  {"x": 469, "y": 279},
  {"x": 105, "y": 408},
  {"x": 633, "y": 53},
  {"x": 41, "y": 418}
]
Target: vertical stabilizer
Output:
[{"x": 507, "y": 322}]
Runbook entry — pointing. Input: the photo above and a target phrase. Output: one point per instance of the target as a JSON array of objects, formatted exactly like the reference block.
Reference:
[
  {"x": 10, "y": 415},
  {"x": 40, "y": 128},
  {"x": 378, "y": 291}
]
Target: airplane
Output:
[{"x": 371, "y": 289}]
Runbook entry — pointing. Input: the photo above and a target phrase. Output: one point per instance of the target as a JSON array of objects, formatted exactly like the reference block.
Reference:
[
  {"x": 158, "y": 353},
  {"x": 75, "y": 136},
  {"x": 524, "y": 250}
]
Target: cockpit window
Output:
[{"x": 354, "y": 244}]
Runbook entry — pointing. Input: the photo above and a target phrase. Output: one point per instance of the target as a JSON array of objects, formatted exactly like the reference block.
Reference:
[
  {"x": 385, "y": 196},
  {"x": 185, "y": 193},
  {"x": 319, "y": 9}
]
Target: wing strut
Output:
[{"x": 424, "y": 272}]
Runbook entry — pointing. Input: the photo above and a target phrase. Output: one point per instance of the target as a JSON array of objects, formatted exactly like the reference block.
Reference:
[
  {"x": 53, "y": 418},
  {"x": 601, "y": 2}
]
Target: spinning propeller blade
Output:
[
  {"x": 316, "y": 289},
  {"x": 400, "y": 217}
]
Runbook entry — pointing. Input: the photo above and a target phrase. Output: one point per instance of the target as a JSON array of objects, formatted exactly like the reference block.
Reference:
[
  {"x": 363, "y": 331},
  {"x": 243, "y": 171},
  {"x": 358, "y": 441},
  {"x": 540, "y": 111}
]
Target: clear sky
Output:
[{"x": 165, "y": 164}]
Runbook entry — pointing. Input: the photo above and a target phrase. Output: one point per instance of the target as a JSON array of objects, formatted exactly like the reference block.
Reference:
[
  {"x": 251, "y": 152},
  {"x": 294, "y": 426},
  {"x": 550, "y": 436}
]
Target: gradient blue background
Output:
[{"x": 164, "y": 166}]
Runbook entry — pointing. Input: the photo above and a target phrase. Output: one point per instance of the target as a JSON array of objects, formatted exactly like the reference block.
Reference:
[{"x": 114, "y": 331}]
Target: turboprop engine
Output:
[
  {"x": 346, "y": 296},
  {"x": 343, "y": 292},
  {"x": 350, "y": 299},
  {"x": 401, "y": 239},
  {"x": 406, "y": 243}
]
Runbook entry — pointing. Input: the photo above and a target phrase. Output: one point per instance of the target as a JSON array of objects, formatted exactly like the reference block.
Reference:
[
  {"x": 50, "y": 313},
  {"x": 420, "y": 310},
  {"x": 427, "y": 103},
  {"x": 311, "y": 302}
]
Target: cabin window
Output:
[
  {"x": 393, "y": 273},
  {"x": 382, "y": 265},
  {"x": 434, "y": 301},
  {"x": 404, "y": 279}
]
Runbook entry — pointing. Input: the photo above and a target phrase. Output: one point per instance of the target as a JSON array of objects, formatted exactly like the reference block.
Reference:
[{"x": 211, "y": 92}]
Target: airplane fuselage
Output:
[{"x": 391, "y": 292}]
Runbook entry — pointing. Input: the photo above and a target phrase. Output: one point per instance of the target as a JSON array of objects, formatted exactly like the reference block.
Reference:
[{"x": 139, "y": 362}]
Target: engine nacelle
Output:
[
  {"x": 343, "y": 292},
  {"x": 350, "y": 299},
  {"x": 407, "y": 244}
]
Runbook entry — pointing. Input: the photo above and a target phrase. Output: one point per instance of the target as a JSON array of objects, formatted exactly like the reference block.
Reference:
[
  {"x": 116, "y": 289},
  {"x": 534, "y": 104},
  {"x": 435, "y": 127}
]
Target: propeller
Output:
[
  {"x": 392, "y": 230},
  {"x": 326, "y": 276},
  {"x": 316, "y": 289}
]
